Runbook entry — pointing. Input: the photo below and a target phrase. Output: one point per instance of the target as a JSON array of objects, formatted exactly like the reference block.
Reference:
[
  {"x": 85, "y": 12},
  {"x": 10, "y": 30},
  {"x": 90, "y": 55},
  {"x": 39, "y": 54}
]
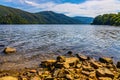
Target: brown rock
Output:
[
  {"x": 32, "y": 71},
  {"x": 104, "y": 72},
  {"x": 62, "y": 65},
  {"x": 79, "y": 65},
  {"x": 48, "y": 63},
  {"x": 59, "y": 73},
  {"x": 104, "y": 78},
  {"x": 8, "y": 50},
  {"x": 61, "y": 59},
  {"x": 87, "y": 68},
  {"x": 35, "y": 78},
  {"x": 118, "y": 64},
  {"x": 72, "y": 61},
  {"x": 85, "y": 73},
  {"x": 81, "y": 57},
  {"x": 106, "y": 60},
  {"x": 24, "y": 78},
  {"x": 95, "y": 64},
  {"x": 8, "y": 78},
  {"x": 92, "y": 75},
  {"x": 69, "y": 77}
]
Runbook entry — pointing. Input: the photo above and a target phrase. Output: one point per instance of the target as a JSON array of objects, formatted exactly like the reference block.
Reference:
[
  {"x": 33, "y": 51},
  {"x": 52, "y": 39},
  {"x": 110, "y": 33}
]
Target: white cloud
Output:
[{"x": 89, "y": 8}]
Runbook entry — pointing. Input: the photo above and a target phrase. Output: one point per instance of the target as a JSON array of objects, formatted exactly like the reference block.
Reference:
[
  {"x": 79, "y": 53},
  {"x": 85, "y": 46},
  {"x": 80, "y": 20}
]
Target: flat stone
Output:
[
  {"x": 104, "y": 78},
  {"x": 33, "y": 71},
  {"x": 85, "y": 73},
  {"x": 8, "y": 50},
  {"x": 82, "y": 57},
  {"x": 104, "y": 72},
  {"x": 87, "y": 68},
  {"x": 48, "y": 63},
  {"x": 106, "y": 60},
  {"x": 69, "y": 77},
  {"x": 8, "y": 78},
  {"x": 118, "y": 64},
  {"x": 62, "y": 65},
  {"x": 35, "y": 78},
  {"x": 95, "y": 64}
]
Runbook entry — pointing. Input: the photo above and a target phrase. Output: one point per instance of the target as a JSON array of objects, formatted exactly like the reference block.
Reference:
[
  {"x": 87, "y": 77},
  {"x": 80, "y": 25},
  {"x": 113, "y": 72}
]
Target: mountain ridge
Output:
[{"x": 9, "y": 15}]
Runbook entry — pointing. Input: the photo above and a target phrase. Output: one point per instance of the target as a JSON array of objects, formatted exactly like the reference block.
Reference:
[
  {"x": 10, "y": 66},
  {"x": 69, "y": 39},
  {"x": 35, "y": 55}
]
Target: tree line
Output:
[{"x": 107, "y": 19}]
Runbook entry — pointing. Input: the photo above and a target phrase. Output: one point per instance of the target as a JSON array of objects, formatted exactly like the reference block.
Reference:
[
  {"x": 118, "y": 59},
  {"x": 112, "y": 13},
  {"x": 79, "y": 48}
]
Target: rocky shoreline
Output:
[{"x": 68, "y": 67}]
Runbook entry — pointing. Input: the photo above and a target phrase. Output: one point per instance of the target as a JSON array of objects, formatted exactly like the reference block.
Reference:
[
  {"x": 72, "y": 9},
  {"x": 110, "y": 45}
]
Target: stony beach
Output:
[{"x": 67, "y": 67}]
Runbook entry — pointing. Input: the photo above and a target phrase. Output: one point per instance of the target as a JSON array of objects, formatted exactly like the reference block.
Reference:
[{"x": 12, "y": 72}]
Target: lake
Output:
[{"x": 33, "y": 40}]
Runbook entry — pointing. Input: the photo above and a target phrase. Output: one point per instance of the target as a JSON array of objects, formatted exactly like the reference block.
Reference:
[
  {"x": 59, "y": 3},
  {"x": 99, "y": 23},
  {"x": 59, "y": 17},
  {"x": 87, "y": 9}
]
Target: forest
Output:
[{"x": 107, "y": 19}]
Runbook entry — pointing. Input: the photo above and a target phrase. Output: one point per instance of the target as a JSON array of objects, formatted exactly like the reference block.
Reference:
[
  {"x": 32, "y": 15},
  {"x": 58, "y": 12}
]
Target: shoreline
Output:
[{"x": 64, "y": 66}]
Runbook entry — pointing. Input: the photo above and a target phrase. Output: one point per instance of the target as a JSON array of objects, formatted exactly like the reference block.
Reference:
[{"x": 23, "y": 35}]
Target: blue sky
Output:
[{"x": 90, "y": 8}]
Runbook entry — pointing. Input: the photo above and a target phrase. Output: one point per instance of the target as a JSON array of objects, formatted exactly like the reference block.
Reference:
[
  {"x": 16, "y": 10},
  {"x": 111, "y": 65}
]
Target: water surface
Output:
[{"x": 31, "y": 40}]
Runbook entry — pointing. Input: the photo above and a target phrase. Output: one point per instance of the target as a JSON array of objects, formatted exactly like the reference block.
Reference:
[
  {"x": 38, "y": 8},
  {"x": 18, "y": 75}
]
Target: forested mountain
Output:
[
  {"x": 52, "y": 17},
  {"x": 84, "y": 20},
  {"x": 107, "y": 19},
  {"x": 10, "y": 15}
]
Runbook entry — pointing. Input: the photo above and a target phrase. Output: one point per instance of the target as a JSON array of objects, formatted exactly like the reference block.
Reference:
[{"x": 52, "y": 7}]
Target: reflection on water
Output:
[{"x": 35, "y": 39}]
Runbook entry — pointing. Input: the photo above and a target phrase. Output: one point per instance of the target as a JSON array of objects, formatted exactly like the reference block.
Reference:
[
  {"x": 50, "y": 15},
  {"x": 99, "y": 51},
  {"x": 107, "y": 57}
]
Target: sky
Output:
[{"x": 89, "y": 8}]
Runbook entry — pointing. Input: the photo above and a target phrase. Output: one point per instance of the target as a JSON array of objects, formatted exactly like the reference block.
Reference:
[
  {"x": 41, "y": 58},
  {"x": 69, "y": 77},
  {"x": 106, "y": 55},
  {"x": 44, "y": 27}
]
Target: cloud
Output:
[{"x": 87, "y": 8}]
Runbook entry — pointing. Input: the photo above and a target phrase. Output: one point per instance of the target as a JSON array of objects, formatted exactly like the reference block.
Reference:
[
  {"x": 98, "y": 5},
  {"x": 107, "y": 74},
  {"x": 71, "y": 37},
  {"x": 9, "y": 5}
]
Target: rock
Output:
[
  {"x": 61, "y": 59},
  {"x": 87, "y": 68},
  {"x": 48, "y": 63},
  {"x": 93, "y": 75},
  {"x": 70, "y": 52},
  {"x": 72, "y": 61},
  {"x": 69, "y": 77},
  {"x": 8, "y": 50},
  {"x": 118, "y": 64},
  {"x": 104, "y": 78},
  {"x": 79, "y": 65},
  {"x": 32, "y": 71},
  {"x": 62, "y": 65},
  {"x": 59, "y": 73},
  {"x": 81, "y": 57},
  {"x": 8, "y": 78},
  {"x": 95, "y": 64},
  {"x": 23, "y": 78},
  {"x": 106, "y": 60},
  {"x": 35, "y": 78},
  {"x": 104, "y": 72},
  {"x": 85, "y": 73}
]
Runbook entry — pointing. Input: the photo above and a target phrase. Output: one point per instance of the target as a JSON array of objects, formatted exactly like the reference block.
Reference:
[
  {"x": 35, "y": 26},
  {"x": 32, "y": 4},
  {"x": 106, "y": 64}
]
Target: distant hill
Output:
[
  {"x": 84, "y": 20},
  {"x": 10, "y": 15},
  {"x": 56, "y": 18},
  {"x": 107, "y": 19}
]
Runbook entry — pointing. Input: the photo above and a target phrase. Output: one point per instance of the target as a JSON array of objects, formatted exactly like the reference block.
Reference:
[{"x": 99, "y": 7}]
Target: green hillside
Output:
[
  {"x": 56, "y": 18},
  {"x": 10, "y": 15},
  {"x": 107, "y": 19}
]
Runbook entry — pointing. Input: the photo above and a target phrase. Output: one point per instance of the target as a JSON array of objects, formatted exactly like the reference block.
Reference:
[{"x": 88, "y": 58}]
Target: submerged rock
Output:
[{"x": 8, "y": 50}]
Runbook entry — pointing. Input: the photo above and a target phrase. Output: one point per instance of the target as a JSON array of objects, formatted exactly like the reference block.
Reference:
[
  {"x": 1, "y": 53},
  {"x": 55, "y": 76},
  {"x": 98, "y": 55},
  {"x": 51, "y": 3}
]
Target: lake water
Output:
[{"x": 31, "y": 40}]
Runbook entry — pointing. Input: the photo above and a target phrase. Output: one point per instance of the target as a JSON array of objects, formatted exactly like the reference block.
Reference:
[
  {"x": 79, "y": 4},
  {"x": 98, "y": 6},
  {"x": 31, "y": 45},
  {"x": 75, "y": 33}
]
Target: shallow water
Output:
[{"x": 31, "y": 40}]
